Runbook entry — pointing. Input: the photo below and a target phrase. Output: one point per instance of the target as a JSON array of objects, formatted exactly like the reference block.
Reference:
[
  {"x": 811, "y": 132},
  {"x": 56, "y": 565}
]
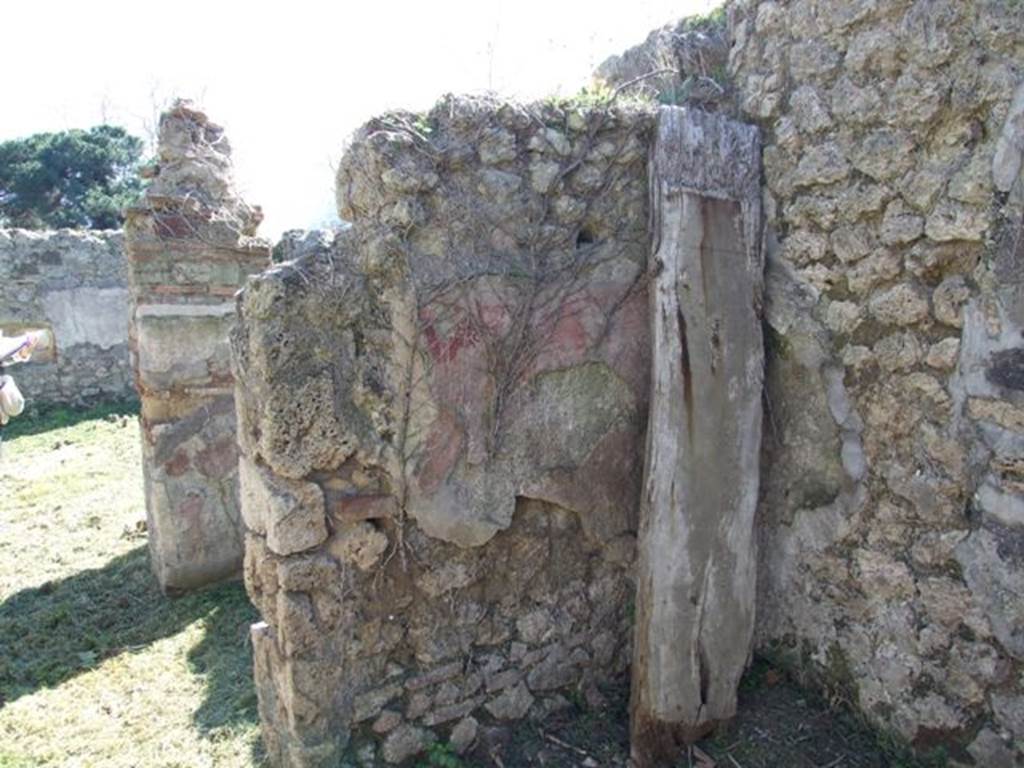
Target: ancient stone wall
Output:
[
  {"x": 892, "y": 516},
  {"x": 74, "y": 283},
  {"x": 440, "y": 413},
  {"x": 190, "y": 245},
  {"x": 441, "y": 421}
]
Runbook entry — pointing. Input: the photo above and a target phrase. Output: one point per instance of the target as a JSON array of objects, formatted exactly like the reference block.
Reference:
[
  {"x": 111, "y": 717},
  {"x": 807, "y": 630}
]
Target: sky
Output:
[{"x": 290, "y": 81}]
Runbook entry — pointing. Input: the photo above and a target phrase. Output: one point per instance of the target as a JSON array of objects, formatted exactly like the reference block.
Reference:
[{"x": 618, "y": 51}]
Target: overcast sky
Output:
[{"x": 291, "y": 80}]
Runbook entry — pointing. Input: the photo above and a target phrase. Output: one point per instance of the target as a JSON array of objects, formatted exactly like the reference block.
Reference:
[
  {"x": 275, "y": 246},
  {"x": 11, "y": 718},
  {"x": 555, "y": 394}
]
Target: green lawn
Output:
[{"x": 97, "y": 668}]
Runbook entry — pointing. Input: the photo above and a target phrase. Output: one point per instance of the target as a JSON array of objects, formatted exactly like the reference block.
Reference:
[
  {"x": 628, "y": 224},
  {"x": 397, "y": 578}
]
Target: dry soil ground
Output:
[{"x": 98, "y": 669}]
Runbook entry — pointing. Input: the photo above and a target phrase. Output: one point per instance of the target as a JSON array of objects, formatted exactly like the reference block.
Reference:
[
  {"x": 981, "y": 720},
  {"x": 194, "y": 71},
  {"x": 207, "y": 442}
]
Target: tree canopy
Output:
[{"x": 77, "y": 178}]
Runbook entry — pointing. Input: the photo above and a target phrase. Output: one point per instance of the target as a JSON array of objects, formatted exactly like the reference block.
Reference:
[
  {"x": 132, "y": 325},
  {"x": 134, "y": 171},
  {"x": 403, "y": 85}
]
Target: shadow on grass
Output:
[
  {"x": 49, "y": 417},
  {"x": 224, "y": 658},
  {"x": 54, "y": 632}
]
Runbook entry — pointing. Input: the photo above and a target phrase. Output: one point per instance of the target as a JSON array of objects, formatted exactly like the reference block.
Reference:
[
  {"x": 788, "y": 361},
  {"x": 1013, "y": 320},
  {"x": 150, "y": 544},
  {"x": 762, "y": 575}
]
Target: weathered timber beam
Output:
[{"x": 697, "y": 560}]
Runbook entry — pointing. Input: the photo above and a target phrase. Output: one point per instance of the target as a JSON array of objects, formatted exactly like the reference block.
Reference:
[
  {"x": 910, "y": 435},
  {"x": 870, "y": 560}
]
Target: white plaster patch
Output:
[{"x": 88, "y": 316}]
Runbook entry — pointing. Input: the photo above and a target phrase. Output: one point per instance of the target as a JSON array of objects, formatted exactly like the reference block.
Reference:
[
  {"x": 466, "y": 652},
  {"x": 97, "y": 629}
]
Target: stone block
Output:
[
  {"x": 290, "y": 513},
  {"x": 183, "y": 352},
  {"x": 463, "y": 735},
  {"x": 404, "y": 742},
  {"x": 511, "y": 704}
]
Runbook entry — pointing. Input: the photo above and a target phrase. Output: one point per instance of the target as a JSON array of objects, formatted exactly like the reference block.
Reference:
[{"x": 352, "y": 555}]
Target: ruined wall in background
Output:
[
  {"x": 893, "y": 506},
  {"x": 441, "y": 417},
  {"x": 190, "y": 246},
  {"x": 75, "y": 283}
]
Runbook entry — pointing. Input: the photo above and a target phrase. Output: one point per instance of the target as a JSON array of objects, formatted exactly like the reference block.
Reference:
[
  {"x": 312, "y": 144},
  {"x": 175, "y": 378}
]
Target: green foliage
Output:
[
  {"x": 597, "y": 95},
  {"x": 77, "y": 178},
  {"x": 577, "y": 699},
  {"x": 712, "y": 21},
  {"x": 423, "y": 124},
  {"x": 758, "y": 675},
  {"x": 593, "y": 96},
  {"x": 441, "y": 755}
]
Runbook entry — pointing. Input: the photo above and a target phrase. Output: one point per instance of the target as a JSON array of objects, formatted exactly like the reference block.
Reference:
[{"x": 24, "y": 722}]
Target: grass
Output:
[
  {"x": 712, "y": 21},
  {"x": 97, "y": 668}
]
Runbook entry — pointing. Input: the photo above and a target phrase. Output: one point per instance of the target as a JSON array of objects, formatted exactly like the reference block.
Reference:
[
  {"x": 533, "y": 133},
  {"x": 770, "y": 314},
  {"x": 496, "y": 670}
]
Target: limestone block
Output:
[
  {"x": 956, "y": 221},
  {"x": 1009, "y": 712},
  {"x": 176, "y": 352},
  {"x": 900, "y": 225},
  {"x": 802, "y": 247},
  {"x": 843, "y": 316},
  {"x": 884, "y": 154},
  {"x": 872, "y": 50},
  {"x": 387, "y": 721},
  {"x": 809, "y": 111},
  {"x": 551, "y": 140},
  {"x": 853, "y": 103},
  {"x": 371, "y": 703},
  {"x": 852, "y": 243},
  {"x": 463, "y": 735},
  {"x": 362, "y": 545},
  {"x": 948, "y": 300},
  {"x": 877, "y": 268},
  {"x": 404, "y": 742},
  {"x": 497, "y": 146},
  {"x": 511, "y": 704},
  {"x": 903, "y": 304},
  {"x": 291, "y": 513},
  {"x": 1001, "y": 504},
  {"x": 822, "y": 164},
  {"x": 989, "y": 749}
]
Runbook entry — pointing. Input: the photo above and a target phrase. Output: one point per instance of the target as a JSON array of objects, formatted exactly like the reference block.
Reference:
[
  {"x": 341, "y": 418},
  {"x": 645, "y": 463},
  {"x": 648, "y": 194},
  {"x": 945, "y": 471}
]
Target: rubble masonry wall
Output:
[
  {"x": 410, "y": 491},
  {"x": 442, "y": 424},
  {"x": 892, "y": 516},
  {"x": 74, "y": 283}
]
